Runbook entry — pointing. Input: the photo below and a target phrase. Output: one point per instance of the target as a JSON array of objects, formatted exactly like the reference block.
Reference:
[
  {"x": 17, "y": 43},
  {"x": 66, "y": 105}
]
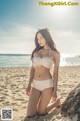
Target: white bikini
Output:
[{"x": 47, "y": 62}]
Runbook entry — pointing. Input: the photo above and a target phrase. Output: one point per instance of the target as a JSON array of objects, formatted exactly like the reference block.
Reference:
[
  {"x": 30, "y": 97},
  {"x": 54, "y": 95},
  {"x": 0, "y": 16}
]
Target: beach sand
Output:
[{"x": 13, "y": 83}]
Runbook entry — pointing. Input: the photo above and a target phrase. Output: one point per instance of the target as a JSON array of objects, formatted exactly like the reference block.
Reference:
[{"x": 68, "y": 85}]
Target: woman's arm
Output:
[
  {"x": 31, "y": 72},
  {"x": 56, "y": 68},
  {"x": 28, "y": 89},
  {"x": 31, "y": 75}
]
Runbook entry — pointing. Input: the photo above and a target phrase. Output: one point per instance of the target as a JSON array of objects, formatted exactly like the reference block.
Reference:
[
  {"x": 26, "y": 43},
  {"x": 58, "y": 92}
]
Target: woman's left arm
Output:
[{"x": 55, "y": 72}]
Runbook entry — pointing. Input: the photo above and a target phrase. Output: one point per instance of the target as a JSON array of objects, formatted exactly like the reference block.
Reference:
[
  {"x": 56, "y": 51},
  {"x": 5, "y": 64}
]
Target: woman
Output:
[{"x": 42, "y": 86}]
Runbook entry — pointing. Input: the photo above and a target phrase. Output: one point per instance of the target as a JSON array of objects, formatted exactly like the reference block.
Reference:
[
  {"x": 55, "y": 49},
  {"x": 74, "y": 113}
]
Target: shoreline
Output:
[{"x": 29, "y": 67}]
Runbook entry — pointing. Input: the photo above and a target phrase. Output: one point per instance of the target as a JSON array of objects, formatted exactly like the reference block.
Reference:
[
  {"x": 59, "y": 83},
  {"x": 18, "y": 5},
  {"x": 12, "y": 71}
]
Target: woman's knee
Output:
[
  {"x": 41, "y": 111},
  {"x": 30, "y": 112}
]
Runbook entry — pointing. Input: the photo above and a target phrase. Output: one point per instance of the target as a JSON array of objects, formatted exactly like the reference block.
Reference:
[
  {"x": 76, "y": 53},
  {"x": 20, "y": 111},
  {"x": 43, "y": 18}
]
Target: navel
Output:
[{"x": 39, "y": 75}]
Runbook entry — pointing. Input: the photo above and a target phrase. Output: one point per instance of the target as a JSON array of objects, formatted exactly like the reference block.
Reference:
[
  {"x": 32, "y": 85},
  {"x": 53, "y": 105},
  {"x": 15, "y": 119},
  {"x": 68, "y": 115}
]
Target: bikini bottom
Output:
[{"x": 43, "y": 84}]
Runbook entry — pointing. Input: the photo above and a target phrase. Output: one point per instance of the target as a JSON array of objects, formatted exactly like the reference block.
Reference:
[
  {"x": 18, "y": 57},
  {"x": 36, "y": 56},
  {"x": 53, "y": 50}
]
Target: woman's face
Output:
[{"x": 41, "y": 39}]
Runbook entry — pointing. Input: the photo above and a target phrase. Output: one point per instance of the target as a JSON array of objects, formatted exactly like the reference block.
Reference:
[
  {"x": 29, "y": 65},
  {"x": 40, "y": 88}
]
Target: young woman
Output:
[{"x": 42, "y": 86}]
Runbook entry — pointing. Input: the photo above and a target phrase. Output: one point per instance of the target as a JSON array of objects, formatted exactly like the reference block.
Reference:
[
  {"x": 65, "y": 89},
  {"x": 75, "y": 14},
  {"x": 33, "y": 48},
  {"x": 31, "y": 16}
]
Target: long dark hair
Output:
[{"x": 46, "y": 34}]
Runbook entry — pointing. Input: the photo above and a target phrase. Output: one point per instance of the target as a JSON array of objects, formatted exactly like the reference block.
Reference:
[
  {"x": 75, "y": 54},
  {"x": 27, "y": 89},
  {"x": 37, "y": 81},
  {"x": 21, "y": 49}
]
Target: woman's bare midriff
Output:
[{"x": 42, "y": 73}]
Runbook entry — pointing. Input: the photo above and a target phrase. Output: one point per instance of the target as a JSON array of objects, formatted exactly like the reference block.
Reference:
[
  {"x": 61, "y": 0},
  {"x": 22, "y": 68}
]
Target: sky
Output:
[{"x": 21, "y": 19}]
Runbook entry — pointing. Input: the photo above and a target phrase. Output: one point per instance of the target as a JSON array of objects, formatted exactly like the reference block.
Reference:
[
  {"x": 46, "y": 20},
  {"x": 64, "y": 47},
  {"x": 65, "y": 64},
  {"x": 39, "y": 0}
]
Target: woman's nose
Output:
[{"x": 39, "y": 41}]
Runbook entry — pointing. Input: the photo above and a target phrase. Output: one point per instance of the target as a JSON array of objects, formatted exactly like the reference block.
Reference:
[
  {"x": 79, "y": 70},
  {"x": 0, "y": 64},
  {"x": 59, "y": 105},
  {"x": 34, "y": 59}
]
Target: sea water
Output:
[{"x": 23, "y": 60}]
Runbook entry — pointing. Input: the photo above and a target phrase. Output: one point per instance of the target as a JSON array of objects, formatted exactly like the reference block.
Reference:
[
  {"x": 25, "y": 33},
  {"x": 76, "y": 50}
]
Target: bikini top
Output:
[{"x": 45, "y": 61}]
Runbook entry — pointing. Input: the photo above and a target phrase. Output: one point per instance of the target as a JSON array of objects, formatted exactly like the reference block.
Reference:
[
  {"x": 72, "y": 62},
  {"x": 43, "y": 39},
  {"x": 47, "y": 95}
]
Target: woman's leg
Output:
[
  {"x": 43, "y": 106},
  {"x": 44, "y": 100},
  {"x": 33, "y": 101},
  {"x": 52, "y": 105}
]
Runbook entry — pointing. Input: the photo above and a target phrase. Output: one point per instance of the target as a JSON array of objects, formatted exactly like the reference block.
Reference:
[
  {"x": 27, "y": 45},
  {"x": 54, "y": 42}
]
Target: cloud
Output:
[
  {"x": 67, "y": 41},
  {"x": 19, "y": 38}
]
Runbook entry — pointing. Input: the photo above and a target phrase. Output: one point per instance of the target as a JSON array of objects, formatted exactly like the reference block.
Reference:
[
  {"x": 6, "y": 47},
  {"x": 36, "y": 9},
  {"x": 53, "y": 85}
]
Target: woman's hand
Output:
[
  {"x": 28, "y": 90},
  {"x": 54, "y": 95}
]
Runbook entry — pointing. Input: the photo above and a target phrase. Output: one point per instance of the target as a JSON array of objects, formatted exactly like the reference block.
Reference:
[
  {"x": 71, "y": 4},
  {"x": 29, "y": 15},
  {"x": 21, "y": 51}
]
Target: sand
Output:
[{"x": 13, "y": 82}]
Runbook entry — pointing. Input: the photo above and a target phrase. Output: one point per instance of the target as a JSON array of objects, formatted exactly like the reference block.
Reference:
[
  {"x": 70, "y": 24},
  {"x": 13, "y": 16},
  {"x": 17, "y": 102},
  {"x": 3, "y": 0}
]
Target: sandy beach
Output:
[{"x": 13, "y": 82}]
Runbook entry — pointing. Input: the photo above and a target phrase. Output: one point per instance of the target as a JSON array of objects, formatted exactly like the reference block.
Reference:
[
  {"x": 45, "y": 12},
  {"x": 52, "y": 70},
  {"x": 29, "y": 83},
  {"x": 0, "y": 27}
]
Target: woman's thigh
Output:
[
  {"x": 33, "y": 101},
  {"x": 44, "y": 100}
]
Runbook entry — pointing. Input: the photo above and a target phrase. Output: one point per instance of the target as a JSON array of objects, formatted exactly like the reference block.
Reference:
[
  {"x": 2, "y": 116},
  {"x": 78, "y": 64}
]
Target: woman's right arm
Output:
[
  {"x": 28, "y": 89},
  {"x": 31, "y": 75},
  {"x": 31, "y": 72}
]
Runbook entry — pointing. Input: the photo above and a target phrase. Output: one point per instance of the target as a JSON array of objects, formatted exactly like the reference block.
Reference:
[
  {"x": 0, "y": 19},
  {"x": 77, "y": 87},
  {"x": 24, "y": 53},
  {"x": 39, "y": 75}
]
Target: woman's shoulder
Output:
[
  {"x": 55, "y": 53},
  {"x": 35, "y": 53}
]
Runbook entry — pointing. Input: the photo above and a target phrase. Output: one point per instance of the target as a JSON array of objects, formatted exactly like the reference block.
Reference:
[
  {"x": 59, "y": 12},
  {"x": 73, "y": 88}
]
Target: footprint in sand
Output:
[
  {"x": 1, "y": 100},
  {"x": 20, "y": 99}
]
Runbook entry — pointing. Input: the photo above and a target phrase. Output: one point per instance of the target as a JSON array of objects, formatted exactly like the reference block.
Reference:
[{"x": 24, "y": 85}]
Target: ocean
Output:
[{"x": 23, "y": 60}]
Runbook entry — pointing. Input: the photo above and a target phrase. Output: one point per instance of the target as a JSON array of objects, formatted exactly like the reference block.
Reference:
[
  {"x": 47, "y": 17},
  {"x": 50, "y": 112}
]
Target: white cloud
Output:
[
  {"x": 67, "y": 41},
  {"x": 20, "y": 39}
]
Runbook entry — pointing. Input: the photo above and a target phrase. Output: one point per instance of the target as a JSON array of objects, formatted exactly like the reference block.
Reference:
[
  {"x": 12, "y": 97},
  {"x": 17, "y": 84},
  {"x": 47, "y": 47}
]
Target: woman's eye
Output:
[{"x": 40, "y": 38}]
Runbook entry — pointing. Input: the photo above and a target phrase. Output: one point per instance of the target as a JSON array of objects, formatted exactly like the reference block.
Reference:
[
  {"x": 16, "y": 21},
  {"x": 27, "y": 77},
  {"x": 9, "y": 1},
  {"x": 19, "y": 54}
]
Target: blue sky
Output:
[{"x": 20, "y": 20}]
